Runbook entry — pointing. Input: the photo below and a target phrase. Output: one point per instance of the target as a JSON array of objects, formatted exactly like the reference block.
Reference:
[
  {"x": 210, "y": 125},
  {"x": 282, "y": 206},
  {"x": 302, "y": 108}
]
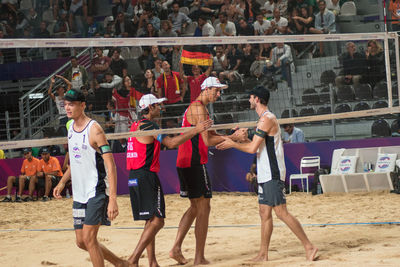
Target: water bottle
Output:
[
  {"x": 319, "y": 189},
  {"x": 67, "y": 195}
]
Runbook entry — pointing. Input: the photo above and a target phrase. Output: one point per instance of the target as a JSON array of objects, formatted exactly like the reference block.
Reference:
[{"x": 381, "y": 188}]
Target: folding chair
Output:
[{"x": 305, "y": 162}]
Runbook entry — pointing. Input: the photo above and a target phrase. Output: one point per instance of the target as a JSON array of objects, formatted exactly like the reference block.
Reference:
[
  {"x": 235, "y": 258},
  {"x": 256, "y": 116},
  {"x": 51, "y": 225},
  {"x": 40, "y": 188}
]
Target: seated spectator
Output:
[
  {"x": 244, "y": 29},
  {"x": 353, "y": 66},
  {"x": 178, "y": 19},
  {"x": 268, "y": 9},
  {"x": 247, "y": 60},
  {"x": 124, "y": 6},
  {"x": 157, "y": 70},
  {"x": 150, "y": 31},
  {"x": 282, "y": 6},
  {"x": 334, "y": 6},
  {"x": 205, "y": 27},
  {"x": 324, "y": 20},
  {"x": 261, "y": 26},
  {"x": 166, "y": 29},
  {"x": 42, "y": 32},
  {"x": 252, "y": 7},
  {"x": 219, "y": 62},
  {"x": 61, "y": 28},
  {"x": 124, "y": 27},
  {"x": 60, "y": 7},
  {"x": 292, "y": 134},
  {"x": 279, "y": 24},
  {"x": 281, "y": 59},
  {"x": 375, "y": 63},
  {"x": 50, "y": 171},
  {"x": 100, "y": 64},
  {"x": 170, "y": 85},
  {"x": 195, "y": 80},
  {"x": 119, "y": 146},
  {"x": 33, "y": 19},
  {"x": 148, "y": 17},
  {"x": 59, "y": 100},
  {"x": 22, "y": 23},
  {"x": 233, "y": 59},
  {"x": 77, "y": 11},
  {"x": 265, "y": 51},
  {"x": 29, "y": 170},
  {"x": 304, "y": 22},
  {"x": 93, "y": 28},
  {"x": 77, "y": 75},
  {"x": 118, "y": 65},
  {"x": 225, "y": 27},
  {"x": 229, "y": 8}
]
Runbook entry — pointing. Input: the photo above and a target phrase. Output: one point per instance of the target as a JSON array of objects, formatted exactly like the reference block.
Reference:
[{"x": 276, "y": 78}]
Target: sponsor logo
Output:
[
  {"x": 84, "y": 147},
  {"x": 183, "y": 193},
  {"x": 384, "y": 158},
  {"x": 132, "y": 182},
  {"x": 78, "y": 221},
  {"x": 132, "y": 155},
  {"x": 78, "y": 213},
  {"x": 345, "y": 161},
  {"x": 345, "y": 169},
  {"x": 144, "y": 213},
  {"x": 383, "y": 166}
]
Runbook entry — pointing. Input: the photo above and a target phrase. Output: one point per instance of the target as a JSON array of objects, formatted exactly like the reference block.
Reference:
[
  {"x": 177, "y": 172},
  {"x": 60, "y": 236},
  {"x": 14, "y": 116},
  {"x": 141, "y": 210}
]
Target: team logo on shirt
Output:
[
  {"x": 76, "y": 151},
  {"x": 132, "y": 182}
]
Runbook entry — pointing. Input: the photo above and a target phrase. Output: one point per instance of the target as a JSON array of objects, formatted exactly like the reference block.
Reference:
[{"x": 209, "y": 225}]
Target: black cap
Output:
[
  {"x": 75, "y": 95},
  {"x": 261, "y": 92},
  {"x": 44, "y": 150},
  {"x": 27, "y": 150}
]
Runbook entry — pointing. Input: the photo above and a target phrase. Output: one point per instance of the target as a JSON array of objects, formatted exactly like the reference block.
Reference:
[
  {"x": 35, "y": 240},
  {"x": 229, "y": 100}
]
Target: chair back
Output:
[{"x": 309, "y": 162}]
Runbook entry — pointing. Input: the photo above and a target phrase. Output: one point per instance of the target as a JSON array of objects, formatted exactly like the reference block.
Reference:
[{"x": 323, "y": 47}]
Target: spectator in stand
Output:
[
  {"x": 104, "y": 90},
  {"x": 304, "y": 22},
  {"x": 282, "y": 6},
  {"x": 233, "y": 59},
  {"x": 394, "y": 8},
  {"x": 125, "y": 100},
  {"x": 42, "y": 32},
  {"x": 157, "y": 70},
  {"x": 149, "y": 83},
  {"x": 61, "y": 28},
  {"x": 176, "y": 57},
  {"x": 154, "y": 54},
  {"x": 100, "y": 64},
  {"x": 77, "y": 75},
  {"x": 353, "y": 66},
  {"x": 268, "y": 9},
  {"x": 148, "y": 17},
  {"x": 150, "y": 31},
  {"x": 9, "y": 24},
  {"x": 375, "y": 63},
  {"x": 229, "y": 8},
  {"x": 124, "y": 6},
  {"x": 22, "y": 23},
  {"x": 111, "y": 80},
  {"x": 205, "y": 27},
  {"x": 59, "y": 7},
  {"x": 252, "y": 7},
  {"x": 50, "y": 171},
  {"x": 178, "y": 19},
  {"x": 219, "y": 62},
  {"x": 292, "y": 134},
  {"x": 261, "y": 26},
  {"x": 195, "y": 80},
  {"x": 334, "y": 6},
  {"x": 281, "y": 58},
  {"x": 166, "y": 29},
  {"x": 248, "y": 58},
  {"x": 279, "y": 24},
  {"x": 225, "y": 27},
  {"x": 166, "y": 52},
  {"x": 77, "y": 12},
  {"x": 29, "y": 170},
  {"x": 59, "y": 100},
  {"x": 123, "y": 26},
  {"x": 118, "y": 65},
  {"x": 93, "y": 28},
  {"x": 244, "y": 29},
  {"x": 170, "y": 85}
]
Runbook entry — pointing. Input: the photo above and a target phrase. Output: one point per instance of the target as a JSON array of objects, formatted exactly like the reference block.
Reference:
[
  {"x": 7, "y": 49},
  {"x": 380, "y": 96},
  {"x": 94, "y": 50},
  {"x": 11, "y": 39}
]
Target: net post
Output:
[
  {"x": 388, "y": 70},
  {"x": 396, "y": 42}
]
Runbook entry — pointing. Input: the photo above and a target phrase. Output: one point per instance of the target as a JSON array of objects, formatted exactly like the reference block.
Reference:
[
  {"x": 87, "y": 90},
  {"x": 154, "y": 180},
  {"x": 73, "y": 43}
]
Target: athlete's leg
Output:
[
  {"x": 150, "y": 230},
  {"x": 21, "y": 184},
  {"x": 184, "y": 226},
  {"x": 294, "y": 225},
  {"x": 201, "y": 229},
  {"x": 266, "y": 232},
  {"x": 151, "y": 253},
  {"x": 47, "y": 185}
]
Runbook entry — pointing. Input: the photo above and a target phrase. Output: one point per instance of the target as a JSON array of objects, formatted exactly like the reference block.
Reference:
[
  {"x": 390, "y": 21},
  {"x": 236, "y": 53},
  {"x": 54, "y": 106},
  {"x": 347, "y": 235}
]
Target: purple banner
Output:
[{"x": 227, "y": 169}]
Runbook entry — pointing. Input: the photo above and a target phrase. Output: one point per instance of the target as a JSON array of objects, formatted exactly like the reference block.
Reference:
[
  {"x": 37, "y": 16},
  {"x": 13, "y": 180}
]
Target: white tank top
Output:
[
  {"x": 88, "y": 173},
  {"x": 270, "y": 158}
]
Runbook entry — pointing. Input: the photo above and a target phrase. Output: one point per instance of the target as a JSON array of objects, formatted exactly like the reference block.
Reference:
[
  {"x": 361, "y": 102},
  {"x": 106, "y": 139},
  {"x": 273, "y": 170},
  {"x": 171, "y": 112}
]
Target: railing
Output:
[{"x": 36, "y": 108}]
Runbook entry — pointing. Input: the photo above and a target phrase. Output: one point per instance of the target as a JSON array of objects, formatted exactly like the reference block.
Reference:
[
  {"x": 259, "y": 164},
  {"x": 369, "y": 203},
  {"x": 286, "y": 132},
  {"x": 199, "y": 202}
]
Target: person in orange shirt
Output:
[
  {"x": 49, "y": 170},
  {"x": 394, "y": 8},
  {"x": 28, "y": 172}
]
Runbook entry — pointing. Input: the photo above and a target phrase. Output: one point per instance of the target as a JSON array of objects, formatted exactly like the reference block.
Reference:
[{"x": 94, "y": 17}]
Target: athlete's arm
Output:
[
  {"x": 61, "y": 184},
  {"x": 173, "y": 142},
  {"x": 97, "y": 140},
  {"x": 264, "y": 126}
]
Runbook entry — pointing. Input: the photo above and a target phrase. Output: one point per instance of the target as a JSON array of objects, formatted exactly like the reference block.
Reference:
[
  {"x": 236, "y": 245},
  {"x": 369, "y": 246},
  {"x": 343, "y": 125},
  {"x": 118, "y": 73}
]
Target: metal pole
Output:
[
  {"x": 7, "y": 116},
  {"x": 28, "y": 114},
  {"x": 396, "y": 42},
  {"x": 332, "y": 99},
  {"x": 388, "y": 71},
  {"x": 21, "y": 117}
]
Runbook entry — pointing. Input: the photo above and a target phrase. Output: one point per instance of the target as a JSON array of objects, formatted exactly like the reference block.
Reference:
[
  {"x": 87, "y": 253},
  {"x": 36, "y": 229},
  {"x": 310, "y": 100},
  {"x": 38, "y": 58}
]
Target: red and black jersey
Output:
[
  {"x": 143, "y": 156},
  {"x": 193, "y": 152}
]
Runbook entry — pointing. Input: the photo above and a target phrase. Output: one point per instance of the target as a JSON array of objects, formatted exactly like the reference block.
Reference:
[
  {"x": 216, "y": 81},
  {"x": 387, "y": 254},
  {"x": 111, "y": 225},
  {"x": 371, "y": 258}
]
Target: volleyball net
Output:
[{"x": 312, "y": 80}]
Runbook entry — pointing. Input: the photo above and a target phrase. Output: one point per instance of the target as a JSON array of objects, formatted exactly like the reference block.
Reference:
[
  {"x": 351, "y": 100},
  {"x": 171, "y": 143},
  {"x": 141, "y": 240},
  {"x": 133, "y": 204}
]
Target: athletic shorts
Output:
[
  {"x": 195, "y": 182},
  {"x": 272, "y": 193},
  {"x": 54, "y": 181},
  {"x": 147, "y": 197},
  {"x": 94, "y": 212},
  {"x": 26, "y": 185}
]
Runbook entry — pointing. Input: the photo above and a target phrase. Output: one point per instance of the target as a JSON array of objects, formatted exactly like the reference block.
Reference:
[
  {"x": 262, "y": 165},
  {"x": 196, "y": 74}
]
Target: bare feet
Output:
[
  {"x": 124, "y": 263},
  {"x": 311, "y": 254},
  {"x": 260, "y": 257},
  {"x": 178, "y": 256},
  {"x": 201, "y": 262}
]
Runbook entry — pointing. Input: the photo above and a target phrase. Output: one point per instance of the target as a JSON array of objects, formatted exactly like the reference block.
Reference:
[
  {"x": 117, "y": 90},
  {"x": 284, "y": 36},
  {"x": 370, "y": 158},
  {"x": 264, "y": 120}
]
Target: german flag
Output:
[{"x": 196, "y": 55}]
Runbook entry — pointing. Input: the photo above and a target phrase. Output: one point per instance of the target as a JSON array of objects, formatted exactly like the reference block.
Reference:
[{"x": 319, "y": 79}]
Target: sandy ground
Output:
[{"x": 233, "y": 238}]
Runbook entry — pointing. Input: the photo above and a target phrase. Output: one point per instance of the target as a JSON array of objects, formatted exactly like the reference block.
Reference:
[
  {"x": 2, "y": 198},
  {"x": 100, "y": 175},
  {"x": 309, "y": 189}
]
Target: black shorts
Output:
[
  {"x": 147, "y": 197},
  {"x": 94, "y": 212},
  {"x": 272, "y": 193},
  {"x": 26, "y": 185},
  {"x": 195, "y": 182},
  {"x": 54, "y": 181}
]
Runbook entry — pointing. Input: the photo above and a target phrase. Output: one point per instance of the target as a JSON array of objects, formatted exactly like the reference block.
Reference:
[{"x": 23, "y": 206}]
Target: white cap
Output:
[
  {"x": 212, "y": 82},
  {"x": 148, "y": 100}
]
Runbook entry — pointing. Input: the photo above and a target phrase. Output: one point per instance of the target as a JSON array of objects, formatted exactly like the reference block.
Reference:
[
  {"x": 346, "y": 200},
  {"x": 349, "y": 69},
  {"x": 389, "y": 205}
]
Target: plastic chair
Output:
[
  {"x": 348, "y": 9},
  {"x": 310, "y": 96},
  {"x": 305, "y": 162},
  {"x": 380, "y": 128},
  {"x": 363, "y": 91}
]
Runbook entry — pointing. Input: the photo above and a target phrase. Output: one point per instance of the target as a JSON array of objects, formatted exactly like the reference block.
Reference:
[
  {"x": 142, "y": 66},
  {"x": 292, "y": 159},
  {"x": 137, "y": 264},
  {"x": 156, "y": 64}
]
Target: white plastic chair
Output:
[
  {"x": 348, "y": 9},
  {"x": 305, "y": 162}
]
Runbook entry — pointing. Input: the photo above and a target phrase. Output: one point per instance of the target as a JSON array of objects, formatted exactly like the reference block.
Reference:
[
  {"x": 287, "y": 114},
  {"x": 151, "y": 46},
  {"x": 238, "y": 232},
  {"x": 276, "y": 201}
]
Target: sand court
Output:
[{"x": 361, "y": 229}]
